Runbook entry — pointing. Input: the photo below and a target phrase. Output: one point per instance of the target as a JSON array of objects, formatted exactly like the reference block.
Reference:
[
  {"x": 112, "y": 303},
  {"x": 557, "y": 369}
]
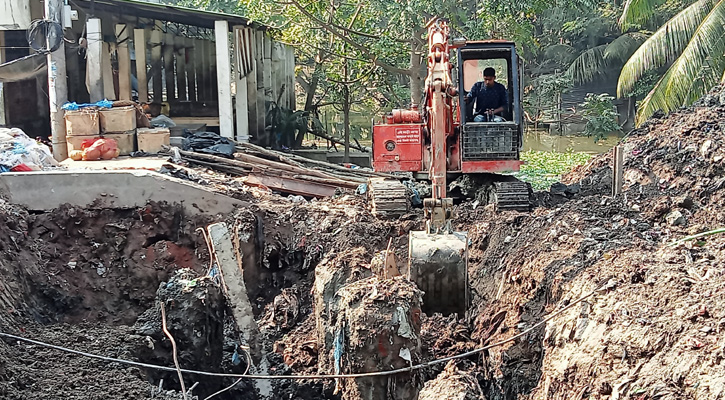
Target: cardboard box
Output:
[
  {"x": 125, "y": 141},
  {"x": 83, "y": 122},
  {"x": 118, "y": 119},
  {"x": 151, "y": 140}
]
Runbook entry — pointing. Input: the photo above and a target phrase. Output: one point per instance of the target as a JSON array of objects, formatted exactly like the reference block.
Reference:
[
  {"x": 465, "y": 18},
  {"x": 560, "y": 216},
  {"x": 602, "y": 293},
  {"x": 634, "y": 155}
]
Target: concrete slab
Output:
[
  {"x": 147, "y": 163},
  {"x": 47, "y": 190}
]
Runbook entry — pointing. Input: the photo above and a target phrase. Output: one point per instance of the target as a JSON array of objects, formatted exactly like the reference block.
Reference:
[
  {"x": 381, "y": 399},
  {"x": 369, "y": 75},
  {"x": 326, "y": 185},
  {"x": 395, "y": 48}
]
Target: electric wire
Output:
[{"x": 610, "y": 285}]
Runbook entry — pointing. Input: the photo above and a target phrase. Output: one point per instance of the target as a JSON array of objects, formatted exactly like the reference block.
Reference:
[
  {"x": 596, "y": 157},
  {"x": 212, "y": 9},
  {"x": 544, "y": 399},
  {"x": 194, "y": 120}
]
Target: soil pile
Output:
[
  {"x": 84, "y": 274},
  {"x": 80, "y": 278},
  {"x": 660, "y": 333}
]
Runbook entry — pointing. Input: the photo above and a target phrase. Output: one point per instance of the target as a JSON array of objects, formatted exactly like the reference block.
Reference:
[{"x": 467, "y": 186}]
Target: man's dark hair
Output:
[{"x": 489, "y": 72}]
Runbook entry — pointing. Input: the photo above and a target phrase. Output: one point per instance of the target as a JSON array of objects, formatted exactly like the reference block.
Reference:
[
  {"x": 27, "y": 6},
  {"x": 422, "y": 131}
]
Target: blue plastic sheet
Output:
[
  {"x": 339, "y": 349},
  {"x": 73, "y": 106}
]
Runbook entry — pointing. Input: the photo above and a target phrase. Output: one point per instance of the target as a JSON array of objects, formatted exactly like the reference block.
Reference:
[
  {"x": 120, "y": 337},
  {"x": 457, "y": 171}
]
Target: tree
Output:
[{"x": 690, "y": 45}]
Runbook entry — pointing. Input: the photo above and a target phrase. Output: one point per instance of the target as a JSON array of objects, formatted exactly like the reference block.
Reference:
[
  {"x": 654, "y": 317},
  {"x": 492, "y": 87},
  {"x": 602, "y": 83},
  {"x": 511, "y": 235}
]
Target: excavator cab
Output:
[
  {"x": 490, "y": 147},
  {"x": 493, "y": 146}
]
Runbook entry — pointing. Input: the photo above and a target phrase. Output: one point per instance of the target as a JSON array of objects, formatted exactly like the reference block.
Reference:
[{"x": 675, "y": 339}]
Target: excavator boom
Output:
[{"x": 438, "y": 257}]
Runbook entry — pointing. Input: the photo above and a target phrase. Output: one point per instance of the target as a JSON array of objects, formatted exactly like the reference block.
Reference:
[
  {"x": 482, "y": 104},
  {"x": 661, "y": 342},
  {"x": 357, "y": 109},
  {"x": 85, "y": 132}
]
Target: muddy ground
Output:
[{"x": 81, "y": 279}]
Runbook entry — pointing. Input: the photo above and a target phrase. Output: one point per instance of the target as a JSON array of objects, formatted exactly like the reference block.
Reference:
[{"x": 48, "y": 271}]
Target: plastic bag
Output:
[
  {"x": 17, "y": 148},
  {"x": 209, "y": 143},
  {"x": 99, "y": 149}
]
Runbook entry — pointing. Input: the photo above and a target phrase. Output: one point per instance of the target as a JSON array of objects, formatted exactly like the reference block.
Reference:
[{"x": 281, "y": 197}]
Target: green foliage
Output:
[
  {"x": 543, "y": 168},
  {"x": 690, "y": 47},
  {"x": 601, "y": 116},
  {"x": 595, "y": 62},
  {"x": 542, "y": 99}
]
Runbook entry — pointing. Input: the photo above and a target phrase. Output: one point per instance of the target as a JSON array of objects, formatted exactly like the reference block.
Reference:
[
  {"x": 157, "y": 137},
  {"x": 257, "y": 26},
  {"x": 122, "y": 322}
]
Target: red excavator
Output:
[{"x": 442, "y": 140}]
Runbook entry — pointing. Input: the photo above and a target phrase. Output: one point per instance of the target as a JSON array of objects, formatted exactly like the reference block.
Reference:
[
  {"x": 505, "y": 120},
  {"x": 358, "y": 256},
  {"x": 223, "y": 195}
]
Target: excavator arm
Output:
[{"x": 438, "y": 257}]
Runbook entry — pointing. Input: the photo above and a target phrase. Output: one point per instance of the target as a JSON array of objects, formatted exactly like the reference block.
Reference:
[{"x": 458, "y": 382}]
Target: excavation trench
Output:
[{"x": 93, "y": 280}]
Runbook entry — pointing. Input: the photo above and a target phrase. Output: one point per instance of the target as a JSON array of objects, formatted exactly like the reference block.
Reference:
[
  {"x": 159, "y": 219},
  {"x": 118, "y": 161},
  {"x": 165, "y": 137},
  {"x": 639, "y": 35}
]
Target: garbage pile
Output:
[{"x": 19, "y": 153}]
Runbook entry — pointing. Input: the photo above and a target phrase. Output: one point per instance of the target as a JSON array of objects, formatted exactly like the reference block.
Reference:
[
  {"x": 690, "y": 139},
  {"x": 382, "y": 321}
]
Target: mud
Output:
[{"x": 81, "y": 278}]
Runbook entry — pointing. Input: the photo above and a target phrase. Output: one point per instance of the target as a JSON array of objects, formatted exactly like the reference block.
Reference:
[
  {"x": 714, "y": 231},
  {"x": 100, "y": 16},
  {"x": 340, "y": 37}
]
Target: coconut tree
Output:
[{"x": 690, "y": 46}]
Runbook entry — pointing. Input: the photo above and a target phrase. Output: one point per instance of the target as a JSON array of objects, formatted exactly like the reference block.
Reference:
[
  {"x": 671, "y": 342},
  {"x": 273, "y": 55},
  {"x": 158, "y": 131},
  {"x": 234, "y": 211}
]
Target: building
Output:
[{"x": 213, "y": 68}]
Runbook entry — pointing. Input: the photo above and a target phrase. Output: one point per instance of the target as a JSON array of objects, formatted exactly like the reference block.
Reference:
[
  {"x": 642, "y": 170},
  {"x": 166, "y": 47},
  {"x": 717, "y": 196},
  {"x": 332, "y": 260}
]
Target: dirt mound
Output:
[
  {"x": 656, "y": 335},
  {"x": 93, "y": 267},
  {"x": 80, "y": 277}
]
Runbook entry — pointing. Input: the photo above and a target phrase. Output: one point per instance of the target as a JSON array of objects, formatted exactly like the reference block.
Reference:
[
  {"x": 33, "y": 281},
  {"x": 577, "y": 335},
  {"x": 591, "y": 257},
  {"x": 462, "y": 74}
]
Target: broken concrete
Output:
[{"x": 232, "y": 275}]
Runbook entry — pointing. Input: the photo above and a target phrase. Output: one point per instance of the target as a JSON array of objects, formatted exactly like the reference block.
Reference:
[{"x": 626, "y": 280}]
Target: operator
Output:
[{"x": 491, "y": 97}]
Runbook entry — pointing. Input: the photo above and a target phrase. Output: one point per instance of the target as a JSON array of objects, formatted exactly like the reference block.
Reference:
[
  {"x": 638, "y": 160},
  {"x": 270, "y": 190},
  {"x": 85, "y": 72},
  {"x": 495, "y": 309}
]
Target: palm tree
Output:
[{"x": 691, "y": 46}]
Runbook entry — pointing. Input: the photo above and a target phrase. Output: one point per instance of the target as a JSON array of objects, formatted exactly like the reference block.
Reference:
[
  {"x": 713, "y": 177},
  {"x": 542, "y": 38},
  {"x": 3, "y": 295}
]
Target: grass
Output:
[{"x": 543, "y": 168}]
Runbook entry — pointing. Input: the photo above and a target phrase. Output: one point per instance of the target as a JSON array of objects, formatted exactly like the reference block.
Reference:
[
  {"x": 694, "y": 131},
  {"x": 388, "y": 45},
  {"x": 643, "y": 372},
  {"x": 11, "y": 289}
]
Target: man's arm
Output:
[{"x": 474, "y": 92}]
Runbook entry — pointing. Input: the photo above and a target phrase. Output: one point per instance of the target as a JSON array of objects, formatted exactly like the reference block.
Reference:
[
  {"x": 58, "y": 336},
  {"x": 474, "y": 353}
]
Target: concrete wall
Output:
[
  {"x": 14, "y": 14},
  {"x": 47, "y": 190}
]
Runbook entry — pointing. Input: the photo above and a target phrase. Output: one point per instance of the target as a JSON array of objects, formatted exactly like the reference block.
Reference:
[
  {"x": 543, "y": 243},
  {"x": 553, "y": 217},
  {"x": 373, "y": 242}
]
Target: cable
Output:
[{"x": 609, "y": 285}]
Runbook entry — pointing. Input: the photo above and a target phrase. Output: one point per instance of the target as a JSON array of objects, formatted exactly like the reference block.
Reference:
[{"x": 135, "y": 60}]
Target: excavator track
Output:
[
  {"x": 389, "y": 197},
  {"x": 513, "y": 196}
]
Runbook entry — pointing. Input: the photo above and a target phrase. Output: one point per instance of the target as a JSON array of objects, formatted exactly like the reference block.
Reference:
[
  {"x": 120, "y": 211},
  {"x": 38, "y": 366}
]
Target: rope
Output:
[{"x": 610, "y": 285}]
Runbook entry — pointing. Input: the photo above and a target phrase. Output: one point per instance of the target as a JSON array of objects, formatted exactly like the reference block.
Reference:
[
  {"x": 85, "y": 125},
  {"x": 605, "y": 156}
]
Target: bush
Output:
[{"x": 601, "y": 116}]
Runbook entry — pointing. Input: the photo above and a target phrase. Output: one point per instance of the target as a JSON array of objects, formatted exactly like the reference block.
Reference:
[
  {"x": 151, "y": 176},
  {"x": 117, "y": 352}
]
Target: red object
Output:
[
  {"x": 21, "y": 168},
  {"x": 401, "y": 116},
  {"x": 398, "y": 147},
  {"x": 88, "y": 143},
  {"x": 495, "y": 166},
  {"x": 99, "y": 149},
  {"x": 404, "y": 142}
]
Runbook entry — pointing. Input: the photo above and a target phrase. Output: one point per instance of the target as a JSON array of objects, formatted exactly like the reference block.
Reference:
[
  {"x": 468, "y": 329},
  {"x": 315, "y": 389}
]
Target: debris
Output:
[
  {"x": 453, "y": 384},
  {"x": 232, "y": 277},
  {"x": 17, "y": 150},
  {"x": 675, "y": 218},
  {"x": 209, "y": 143}
]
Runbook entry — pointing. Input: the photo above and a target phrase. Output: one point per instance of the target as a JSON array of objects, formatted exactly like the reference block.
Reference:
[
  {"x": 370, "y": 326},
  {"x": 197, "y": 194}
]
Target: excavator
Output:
[{"x": 443, "y": 140}]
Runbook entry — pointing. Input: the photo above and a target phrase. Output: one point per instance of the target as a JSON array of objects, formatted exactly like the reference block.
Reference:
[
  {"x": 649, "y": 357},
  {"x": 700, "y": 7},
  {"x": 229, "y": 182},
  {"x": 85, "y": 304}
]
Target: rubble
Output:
[
  {"x": 453, "y": 384},
  {"x": 81, "y": 278}
]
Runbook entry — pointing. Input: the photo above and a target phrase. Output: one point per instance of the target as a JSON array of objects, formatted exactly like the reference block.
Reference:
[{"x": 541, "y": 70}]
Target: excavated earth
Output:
[{"x": 651, "y": 327}]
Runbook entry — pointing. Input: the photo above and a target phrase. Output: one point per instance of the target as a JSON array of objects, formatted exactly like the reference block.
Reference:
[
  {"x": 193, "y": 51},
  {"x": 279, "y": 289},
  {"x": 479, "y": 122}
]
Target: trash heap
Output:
[
  {"x": 373, "y": 325},
  {"x": 18, "y": 152}
]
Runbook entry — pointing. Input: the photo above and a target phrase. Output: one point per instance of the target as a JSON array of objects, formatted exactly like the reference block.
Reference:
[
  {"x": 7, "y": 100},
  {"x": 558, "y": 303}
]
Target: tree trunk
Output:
[
  {"x": 346, "y": 113},
  {"x": 416, "y": 80}
]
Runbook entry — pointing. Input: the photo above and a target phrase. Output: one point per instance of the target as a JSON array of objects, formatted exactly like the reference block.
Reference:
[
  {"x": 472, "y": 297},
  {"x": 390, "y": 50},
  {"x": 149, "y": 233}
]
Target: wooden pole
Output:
[
  {"x": 346, "y": 112},
  {"x": 123, "y": 36},
  {"x": 3, "y": 111},
  {"x": 139, "y": 44},
  {"x": 57, "y": 85},
  {"x": 168, "y": 50},
  {"x": 94, "y": 59},
  {"x": 157, "y": 65},
  {"x": 253, "y": 115},
  {"x": 242, "y": 108},
  {"x": 618, "y": 171},
  {"x": 180, "y": 54},
  {"x": 262, "y": 138},
  {"x": 109, "y": 89},
  {"x": 191, "y": 68}
]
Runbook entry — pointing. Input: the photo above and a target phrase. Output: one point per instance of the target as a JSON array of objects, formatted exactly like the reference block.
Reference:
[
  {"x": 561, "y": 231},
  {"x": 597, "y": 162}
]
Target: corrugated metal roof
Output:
[{"x": 165, "y": 12}]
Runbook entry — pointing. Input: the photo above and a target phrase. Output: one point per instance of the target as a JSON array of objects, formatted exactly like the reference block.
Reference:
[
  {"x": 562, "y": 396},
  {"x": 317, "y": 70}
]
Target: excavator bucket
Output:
[{"x": 438, "y": 264}]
